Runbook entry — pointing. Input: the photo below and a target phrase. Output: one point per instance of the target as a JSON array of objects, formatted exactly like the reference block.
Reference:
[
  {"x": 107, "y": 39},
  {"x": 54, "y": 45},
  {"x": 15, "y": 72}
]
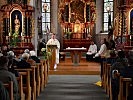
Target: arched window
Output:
[
  {"x": 106, "y": 12},
  {"x": 46, "y": 15}
]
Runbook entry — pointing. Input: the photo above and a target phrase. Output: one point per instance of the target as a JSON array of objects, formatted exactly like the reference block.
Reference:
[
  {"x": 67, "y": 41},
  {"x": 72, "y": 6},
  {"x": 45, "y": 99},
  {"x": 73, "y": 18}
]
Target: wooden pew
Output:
[
  {"x": 42, "y": 75},
  {"x": 104, "y": 75},
  {"x": 20, "y": 84},
  {"x": 46, "y": 70},
  {"x": 108, "y": 80},
  {"x": 26, "y": 87},
  {"x": 38, "y": 79},
  {"x": 127, "y": 82},
  {"x": 9, "y": 87}
]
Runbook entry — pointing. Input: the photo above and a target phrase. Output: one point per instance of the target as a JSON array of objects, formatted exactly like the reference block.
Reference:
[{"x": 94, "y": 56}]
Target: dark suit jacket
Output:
[
  {"x": 23, "y": 64},
  {"x": 36, "y": 59},
  {"x": 6, "y": 76},
  {"x": 3, "y": 92}
]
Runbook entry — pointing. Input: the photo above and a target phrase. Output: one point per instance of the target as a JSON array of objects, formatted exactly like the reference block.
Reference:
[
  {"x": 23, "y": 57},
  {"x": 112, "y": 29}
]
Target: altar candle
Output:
[
  {"x": 130, "y": 37},
  {"x": 64, "y": 29},
  {"x": 6, "y": 37},
  {"x": 87, "y": 31},
  {"x": 9, "y": 34},
  {"x": 113, "y": 37},
  {"x": 21, "y": 34}
]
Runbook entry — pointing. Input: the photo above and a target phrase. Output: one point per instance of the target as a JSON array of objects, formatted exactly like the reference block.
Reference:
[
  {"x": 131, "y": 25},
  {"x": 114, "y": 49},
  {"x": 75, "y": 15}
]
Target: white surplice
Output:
[{"x": 55, "y": 42}]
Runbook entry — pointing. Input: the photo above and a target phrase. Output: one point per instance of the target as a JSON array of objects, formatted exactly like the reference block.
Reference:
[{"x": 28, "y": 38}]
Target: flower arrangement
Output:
[
  {"x": 45, "y": 53},
  {"x": 14, "y": 39}
]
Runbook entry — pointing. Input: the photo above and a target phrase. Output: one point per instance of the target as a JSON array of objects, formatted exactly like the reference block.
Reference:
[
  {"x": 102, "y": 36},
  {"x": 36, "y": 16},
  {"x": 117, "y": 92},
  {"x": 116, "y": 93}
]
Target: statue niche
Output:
[{"x": 16, "y": 22}]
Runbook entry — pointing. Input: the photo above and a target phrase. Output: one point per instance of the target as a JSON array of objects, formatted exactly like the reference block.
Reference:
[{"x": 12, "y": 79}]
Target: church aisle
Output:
[{"x": 73, "y": 87}]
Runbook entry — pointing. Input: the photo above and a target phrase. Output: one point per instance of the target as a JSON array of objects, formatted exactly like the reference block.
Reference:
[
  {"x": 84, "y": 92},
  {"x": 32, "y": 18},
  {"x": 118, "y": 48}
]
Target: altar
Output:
[{"x": 76, "y": 54}]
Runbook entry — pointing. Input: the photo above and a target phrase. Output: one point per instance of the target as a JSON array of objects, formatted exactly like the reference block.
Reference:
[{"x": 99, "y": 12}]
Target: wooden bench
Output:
[
  {"x": 9, "y": 87},
  {"x": 127, "y": 82},
  {"x": 26, "y": 87}
]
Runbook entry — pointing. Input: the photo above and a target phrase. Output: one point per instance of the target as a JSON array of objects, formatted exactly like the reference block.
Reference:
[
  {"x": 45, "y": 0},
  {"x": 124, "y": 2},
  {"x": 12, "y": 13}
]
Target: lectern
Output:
[{"x": 52, "y": 58}]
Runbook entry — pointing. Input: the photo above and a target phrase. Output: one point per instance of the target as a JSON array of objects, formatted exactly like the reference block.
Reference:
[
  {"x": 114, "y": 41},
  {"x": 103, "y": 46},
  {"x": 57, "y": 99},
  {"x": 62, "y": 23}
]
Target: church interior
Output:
[{"x": 43, "y": 39}]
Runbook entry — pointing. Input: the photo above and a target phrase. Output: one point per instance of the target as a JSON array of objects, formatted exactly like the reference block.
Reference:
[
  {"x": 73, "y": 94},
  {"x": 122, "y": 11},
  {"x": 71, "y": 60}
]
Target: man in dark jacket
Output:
[
  {"x": 6, "y": 76},
  {"x": 23, "y": 63}
]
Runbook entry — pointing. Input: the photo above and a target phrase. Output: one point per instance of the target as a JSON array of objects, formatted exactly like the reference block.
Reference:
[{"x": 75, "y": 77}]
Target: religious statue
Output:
[{"x": 17, "y": 24}]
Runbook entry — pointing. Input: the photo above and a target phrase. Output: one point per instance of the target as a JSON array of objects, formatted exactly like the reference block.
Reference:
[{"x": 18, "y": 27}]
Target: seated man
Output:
[
  {"x": 6, "y": 76},
  {"x": 91, "y": 51},
  {"x": 23, "y": 63}
]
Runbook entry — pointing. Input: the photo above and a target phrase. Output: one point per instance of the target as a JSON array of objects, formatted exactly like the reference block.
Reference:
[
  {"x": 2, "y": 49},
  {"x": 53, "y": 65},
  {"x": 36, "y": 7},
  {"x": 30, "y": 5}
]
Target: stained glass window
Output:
[
  {"x": 46, "y": 15},
  {"x": 106, "y": 14}
]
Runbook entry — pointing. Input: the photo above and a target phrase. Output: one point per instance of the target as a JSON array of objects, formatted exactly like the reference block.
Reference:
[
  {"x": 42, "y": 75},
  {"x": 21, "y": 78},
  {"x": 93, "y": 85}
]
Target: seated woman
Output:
[
  {"x": 91, "y": 51},
  {"x": 34, "y": 57}
]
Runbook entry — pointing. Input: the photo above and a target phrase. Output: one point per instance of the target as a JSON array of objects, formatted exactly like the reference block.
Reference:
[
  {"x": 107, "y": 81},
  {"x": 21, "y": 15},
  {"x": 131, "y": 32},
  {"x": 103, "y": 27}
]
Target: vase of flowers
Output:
[
  {"x": 45, "y": 53},
  {"x": 14, "y": 39}
]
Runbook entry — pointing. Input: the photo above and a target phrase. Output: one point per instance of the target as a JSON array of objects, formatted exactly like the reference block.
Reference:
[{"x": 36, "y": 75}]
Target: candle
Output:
[
  {"x": 87, "y": 31},
  {"x": 6, "y": 37},
  {"x": 21, "y": 34},
  {"x": 113, "y": 37},
  {"x": 130, "y": 37},
  {"x": 9, "y": 34},
  {"x": 64, "y": 29}
]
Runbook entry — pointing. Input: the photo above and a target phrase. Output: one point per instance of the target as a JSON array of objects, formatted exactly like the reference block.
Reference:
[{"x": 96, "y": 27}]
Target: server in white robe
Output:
[
  {"x": 54, "y": 41},
  {"x": 91, "y": 51}
]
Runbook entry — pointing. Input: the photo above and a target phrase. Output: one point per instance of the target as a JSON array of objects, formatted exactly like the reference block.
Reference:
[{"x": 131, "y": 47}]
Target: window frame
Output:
[
  {"x": 46, "y": 16},
  {"x": 106, "y": 14}
]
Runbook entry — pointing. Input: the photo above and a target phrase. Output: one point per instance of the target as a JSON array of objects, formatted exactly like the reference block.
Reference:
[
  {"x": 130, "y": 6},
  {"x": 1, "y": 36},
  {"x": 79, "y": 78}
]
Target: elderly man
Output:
[
  {"x": 23, "y": 63},
  {"x": 54, "y": 41}
]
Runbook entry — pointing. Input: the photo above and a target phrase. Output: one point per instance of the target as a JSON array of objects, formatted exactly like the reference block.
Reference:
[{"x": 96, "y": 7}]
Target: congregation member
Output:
[
  {"x": 34, "y": 57},
  {"x": 4, "y": 50},
  {"x": 12, "y": 63},
  {"x": 128, "y": 73},
  {"x": 119, "y": 66},
  {"x": 102, "y": 54},
  {"x": 4, "y": 95},
  {"x": 6, "y": 76},
  {"x": 54, "y": 41},
  {"x": 23, "y": 62},
  {"x": 91, "y": 51}
]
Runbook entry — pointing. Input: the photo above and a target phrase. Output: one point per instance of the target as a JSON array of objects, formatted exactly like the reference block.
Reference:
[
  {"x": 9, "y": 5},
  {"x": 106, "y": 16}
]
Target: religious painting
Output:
[
  {"x": 77, "y": 11},
  {"x": 16, "y": 22}
]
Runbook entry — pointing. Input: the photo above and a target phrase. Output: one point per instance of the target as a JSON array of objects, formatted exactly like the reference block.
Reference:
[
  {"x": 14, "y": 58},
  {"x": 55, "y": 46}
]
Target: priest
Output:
[{"x": 54, "y": 41}]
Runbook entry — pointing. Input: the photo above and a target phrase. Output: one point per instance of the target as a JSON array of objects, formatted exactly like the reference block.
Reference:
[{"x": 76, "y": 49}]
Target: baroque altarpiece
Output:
[
  {"x": 77, "y": 19},
  {"x": 17, "y": 23}
]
